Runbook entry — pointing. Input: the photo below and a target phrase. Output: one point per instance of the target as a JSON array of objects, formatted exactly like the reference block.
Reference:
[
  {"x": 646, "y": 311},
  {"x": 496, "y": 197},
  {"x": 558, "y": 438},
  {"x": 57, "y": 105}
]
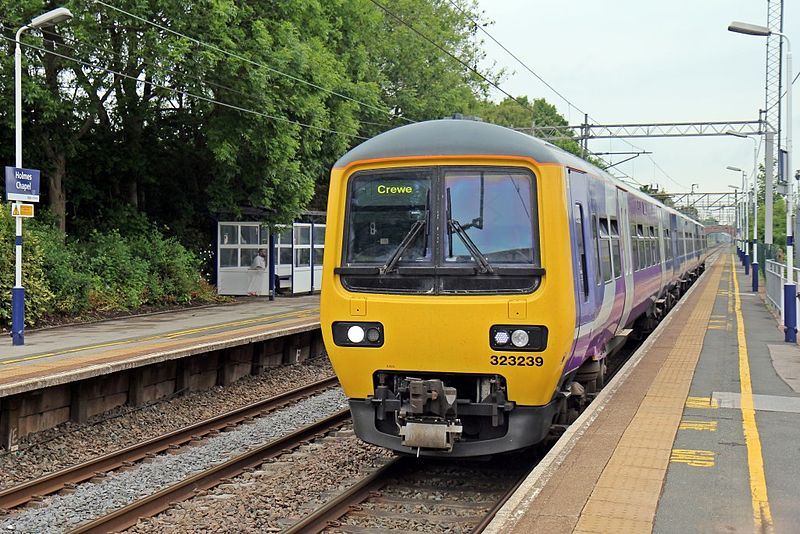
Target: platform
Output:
[
  {"x": 65, "y": 354},
  {"x": 699, "y": 431}
]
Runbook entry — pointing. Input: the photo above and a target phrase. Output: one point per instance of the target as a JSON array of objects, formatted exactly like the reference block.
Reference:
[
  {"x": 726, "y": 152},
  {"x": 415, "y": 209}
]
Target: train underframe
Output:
[{"x": 447, "y": 414}]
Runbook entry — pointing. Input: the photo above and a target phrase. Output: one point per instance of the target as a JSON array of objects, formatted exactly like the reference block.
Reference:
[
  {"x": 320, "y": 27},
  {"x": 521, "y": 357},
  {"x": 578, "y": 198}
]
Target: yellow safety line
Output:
[
  {"x": 168, "y": 335},
  {"x": 755, "y": 462}
]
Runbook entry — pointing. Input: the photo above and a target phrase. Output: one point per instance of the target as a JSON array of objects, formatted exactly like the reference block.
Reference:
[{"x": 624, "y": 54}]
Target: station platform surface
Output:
[
  {"x": 698, "y": 432},
  {"x": 58, "y": 355}
]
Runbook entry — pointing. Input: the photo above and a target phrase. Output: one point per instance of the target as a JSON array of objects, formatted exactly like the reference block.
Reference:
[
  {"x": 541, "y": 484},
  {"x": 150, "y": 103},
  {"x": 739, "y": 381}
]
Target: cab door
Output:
[{"x": 584, "y": 264}]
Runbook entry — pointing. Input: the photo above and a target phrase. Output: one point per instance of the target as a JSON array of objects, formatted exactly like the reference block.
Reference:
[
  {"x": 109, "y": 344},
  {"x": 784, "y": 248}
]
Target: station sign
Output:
[
  {"x": 21, "y": 210},
  {"x": 22, "y": 184}
]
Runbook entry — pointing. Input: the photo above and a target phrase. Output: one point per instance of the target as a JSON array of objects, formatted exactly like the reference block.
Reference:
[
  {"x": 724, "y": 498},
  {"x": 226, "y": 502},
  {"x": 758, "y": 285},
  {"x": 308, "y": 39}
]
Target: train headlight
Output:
[
  {"x": 501, "y": 337},
  {"x": 355, "y": 334},
  {"x": 520, "y": 338},
  {"x": 358, "y": 334}
]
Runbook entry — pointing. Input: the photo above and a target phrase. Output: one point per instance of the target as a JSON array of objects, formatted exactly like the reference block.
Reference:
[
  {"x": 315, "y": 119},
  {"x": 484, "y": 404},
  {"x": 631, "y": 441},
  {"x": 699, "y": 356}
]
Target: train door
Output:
[
  {"x": 626, "y": 256},
  {"x": 673, "y": 235},
  {"x": 584, "y": 264},
  {"x": 610, "y": 237}
]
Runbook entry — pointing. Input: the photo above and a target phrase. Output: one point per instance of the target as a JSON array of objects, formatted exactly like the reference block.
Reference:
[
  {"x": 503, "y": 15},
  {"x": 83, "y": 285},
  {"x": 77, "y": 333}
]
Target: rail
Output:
[
  {"x": 129, "y": 515},
  {"x": 48, "y": 484}
]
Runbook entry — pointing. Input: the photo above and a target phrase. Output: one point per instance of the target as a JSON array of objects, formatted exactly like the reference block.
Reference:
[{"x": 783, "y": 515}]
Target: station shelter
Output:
[{"x": 291, "y": 256}]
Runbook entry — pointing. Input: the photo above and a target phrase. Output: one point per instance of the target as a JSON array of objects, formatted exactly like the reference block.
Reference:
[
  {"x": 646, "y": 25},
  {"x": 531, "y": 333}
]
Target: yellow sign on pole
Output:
[{"x": 21, "y": 210}]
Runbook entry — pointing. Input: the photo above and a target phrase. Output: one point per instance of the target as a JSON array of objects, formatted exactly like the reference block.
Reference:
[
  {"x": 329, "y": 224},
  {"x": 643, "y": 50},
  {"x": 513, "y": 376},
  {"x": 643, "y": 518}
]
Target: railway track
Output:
[
  {"x": 66, "y": 478},
  {"x": 127, "y": 516},
  {"x": 431, "y": 495}
]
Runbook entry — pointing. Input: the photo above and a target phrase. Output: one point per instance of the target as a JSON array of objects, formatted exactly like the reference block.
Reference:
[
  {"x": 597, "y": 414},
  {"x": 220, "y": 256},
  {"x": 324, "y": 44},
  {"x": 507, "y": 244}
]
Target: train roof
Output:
[{"x": 463, "y": 137}]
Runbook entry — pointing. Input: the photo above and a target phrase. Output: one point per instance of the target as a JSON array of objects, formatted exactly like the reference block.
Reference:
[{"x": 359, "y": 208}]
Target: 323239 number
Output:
[{"x": 525, "y": 361}]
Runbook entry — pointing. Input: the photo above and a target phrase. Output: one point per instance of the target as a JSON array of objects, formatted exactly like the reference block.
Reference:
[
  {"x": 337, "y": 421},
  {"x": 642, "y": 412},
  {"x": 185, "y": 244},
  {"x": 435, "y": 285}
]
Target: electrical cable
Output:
[
  {"x": 185, "y": 93},
  {"x": 441, "y": 48},
  {"x": 250, "y": 61},
  {"x": 510, "y": 53}
]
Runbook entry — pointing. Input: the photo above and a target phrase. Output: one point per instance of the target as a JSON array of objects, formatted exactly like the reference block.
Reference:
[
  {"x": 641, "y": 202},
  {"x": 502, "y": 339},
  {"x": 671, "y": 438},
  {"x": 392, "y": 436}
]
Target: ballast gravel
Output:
[
  {"x": 72, "y": 443},
  {"x": 90, "y": 500}
]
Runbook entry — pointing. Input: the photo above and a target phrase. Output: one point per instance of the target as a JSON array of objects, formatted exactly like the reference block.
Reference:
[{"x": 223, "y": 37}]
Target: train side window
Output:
[
  {"x": 667, "y": 245},
  {"x": 615, "y": 248},
  {"x": 642, "y": 248},
  {"x": 578, "y": 214},
  {"x": 604, "y": 245},
  {"x": 651, "y": 232},
  {"x": 657, "y": 245},
  {"x": 634, "y": 248}
]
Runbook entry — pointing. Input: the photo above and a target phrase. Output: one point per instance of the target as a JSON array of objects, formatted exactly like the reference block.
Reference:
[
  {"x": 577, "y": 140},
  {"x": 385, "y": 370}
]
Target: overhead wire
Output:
[
  {"x": 510, "y": 53},
  {"x": 467, "y": 66},
  {"x": 183, "y": 92},
  {"x": 251, "y": 61},
  {"x": 556, "y": 91},
  {"x": 180, "y": 74}
]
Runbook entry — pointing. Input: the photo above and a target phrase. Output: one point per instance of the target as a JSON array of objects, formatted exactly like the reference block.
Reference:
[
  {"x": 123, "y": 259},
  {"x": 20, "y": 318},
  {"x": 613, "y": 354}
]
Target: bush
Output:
[
  {"x": 119, "y": 278},
  {"x": 107, "y": 271},
  {"x": 173, "y": 272},
  {"x": 65, "y": 268},
  {"x": 38, "y": 296}
]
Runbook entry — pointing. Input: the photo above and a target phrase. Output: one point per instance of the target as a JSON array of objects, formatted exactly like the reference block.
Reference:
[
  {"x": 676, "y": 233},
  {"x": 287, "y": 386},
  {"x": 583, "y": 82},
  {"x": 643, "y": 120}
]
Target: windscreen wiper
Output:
[
  {"x": 473, "y": 249},
  {"x": 404, "y": 244},
  {"x": 454, "y": 226}
]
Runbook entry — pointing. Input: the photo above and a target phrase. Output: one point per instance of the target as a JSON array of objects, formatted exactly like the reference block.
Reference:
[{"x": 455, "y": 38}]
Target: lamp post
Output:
[
  {"x": 18, "y": 292},
  {"x": 745, "y": 217},
  {"x": 736, "y": 214},
  {"x": 754, "y": 258},
  {"x": 789, "y": 288}
]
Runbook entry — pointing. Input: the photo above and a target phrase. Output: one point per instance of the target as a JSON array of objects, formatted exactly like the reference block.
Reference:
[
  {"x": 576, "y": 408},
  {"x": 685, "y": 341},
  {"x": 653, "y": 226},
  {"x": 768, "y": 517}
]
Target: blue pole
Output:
[
  {"x": 271, "y": 266},
  {"x": 755, "y": 276},
  {"x": 18, "y": 316},
  {"x": 790, "y": 312},
  {"x": 746, "y": 264}
]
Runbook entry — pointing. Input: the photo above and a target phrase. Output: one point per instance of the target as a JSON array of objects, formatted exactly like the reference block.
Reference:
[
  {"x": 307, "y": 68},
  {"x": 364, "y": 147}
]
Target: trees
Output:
[{"x": 250, "y": 107}]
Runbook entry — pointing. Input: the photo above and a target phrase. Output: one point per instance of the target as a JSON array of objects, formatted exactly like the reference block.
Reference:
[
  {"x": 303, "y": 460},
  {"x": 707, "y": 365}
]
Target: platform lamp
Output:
[
  {"x": 18, "y": 292},
  {"x": 789, "y": 288},
  {"x": 754, "y": 257},
  {"x": 745, "y": 220},
  {"x": 736, "y": 219}
]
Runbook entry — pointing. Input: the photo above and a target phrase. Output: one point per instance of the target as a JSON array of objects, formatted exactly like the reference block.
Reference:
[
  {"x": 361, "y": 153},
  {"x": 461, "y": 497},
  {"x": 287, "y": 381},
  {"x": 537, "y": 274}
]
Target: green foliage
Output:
[
  {"x": 172, "y": 271},
  {"x": 67, "y": 276},
  {"x": 105, "y": 272},
  {"x": 119, "y": 278},
  {"x": 109, "y": 145},
  {"x": 38, "y": 295}
]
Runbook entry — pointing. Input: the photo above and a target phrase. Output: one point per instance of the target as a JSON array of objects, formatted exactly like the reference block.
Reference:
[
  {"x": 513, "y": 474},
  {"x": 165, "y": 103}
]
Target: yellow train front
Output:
[{"x": 446, "y": 332}]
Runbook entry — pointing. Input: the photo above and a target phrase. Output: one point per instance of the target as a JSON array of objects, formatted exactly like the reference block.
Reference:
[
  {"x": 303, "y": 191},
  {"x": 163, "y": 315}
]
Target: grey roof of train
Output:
[{"x": 464, "y": 137}]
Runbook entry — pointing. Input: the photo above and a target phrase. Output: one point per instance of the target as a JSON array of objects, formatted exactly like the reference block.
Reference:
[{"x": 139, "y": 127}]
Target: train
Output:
[{"x": 476, "y": 280}]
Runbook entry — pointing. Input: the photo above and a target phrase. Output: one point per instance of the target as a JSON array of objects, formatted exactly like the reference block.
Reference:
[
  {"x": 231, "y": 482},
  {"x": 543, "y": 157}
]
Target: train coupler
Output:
[{"x": 431, "y": 435}]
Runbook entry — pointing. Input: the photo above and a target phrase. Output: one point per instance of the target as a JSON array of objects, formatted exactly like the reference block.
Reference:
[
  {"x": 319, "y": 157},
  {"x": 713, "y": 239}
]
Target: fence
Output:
[{"x": 775, "y": 274}]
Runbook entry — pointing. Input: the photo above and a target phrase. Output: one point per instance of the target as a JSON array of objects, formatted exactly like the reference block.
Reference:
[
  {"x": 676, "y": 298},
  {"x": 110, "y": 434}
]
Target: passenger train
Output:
[{"x": 477, "y": 278}]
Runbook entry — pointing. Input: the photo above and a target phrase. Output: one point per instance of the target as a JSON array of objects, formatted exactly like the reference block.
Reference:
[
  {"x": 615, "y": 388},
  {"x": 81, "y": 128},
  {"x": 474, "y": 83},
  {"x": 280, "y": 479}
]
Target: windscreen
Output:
[
  {"x": 494, "y": 210},
  {"x": 387, "y": 208}
]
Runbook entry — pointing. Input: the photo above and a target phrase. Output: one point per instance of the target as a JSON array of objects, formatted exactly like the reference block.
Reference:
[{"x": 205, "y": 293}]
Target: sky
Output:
[{"x": 625, "y": 61}]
